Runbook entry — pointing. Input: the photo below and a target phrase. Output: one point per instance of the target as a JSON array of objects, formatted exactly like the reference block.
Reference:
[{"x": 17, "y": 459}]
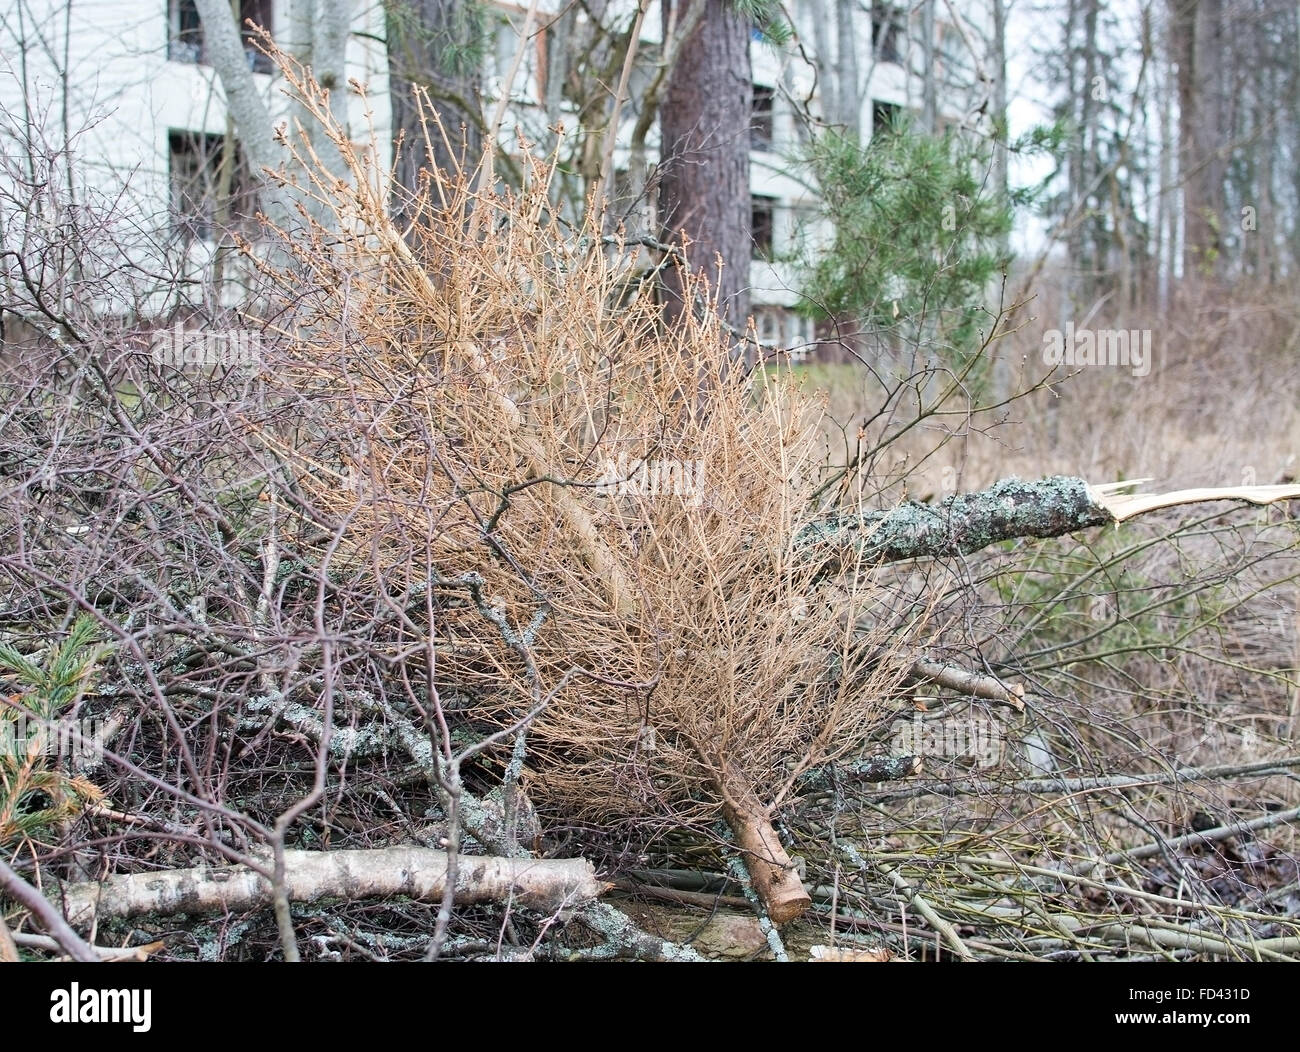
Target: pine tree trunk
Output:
[
  {"x": 704, "y": 124},
  {"x": 1196, "y": 33},
  {"x": 434, "y": 45}
]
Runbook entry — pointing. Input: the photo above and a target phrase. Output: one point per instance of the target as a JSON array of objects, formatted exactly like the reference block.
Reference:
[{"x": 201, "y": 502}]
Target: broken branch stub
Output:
[
  {"x": 776, "y": 881},
  {"x": 1008, "y": 510},
  {"x": 972, "y": 684},
  {"x": 1124, "y": 507}
]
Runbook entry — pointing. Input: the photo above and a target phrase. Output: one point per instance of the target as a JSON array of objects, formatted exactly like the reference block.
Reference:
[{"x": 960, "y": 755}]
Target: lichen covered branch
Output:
[
  {"x": 1008, "y": 510},
  {"x": 958, "y": 525}
]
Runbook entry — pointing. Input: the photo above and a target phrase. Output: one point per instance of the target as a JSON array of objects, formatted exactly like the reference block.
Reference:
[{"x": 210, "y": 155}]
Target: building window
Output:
[
  {"x": 185, "y": 32},
  {"x": 887, "y": 33},
  {"x": 185, "y": 40},
  {"x": 762, "y": 224},
  {"x": 762, "y": 122},
  {"x": 209, "y": 197},
  {"x": 767, "y": 323},
  {"x": 884, "y": 117},
  {"x": 952, "y": 49}
]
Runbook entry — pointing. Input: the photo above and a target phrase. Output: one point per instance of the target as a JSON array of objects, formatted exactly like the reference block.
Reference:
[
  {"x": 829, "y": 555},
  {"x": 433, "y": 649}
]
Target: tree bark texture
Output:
[
  {"x": 416, "y": 873},
  {"x": 704, "y": 127},
  {"x": 434, "y": 45}
]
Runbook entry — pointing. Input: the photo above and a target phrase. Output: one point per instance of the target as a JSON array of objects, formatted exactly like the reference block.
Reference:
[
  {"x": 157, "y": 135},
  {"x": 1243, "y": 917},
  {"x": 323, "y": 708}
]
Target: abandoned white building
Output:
[{"x": 127, "y": 85}]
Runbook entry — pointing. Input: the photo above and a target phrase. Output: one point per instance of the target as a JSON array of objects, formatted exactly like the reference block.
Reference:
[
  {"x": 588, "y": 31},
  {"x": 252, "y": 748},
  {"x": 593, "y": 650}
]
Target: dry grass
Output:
[
  {"x": 1220, "y": 406},
  {"x": 1169, "y": 644}
]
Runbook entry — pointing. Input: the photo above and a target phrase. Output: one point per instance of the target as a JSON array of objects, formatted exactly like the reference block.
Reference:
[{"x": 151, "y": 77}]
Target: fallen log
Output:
[
  {"x": 1010, "y": 509},
  {"x": 545, "y": 885}
]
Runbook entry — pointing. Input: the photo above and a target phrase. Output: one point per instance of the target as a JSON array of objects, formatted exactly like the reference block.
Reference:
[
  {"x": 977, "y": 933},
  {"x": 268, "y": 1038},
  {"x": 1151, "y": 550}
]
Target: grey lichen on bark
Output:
[
  {"x": 871, "y": 769},
  {"x": 959, "y": 524}
]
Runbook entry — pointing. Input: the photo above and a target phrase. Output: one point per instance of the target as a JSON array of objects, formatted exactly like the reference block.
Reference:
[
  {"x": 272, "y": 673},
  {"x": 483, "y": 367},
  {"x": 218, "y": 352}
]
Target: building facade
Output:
[{"x": 127, "y": 87}]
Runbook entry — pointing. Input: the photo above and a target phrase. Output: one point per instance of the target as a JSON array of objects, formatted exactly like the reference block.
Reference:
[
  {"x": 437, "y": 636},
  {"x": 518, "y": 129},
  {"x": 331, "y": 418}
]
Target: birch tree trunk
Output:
[
  {"x": 411, "y": 872},
  {"x": 317, "y": 37}
]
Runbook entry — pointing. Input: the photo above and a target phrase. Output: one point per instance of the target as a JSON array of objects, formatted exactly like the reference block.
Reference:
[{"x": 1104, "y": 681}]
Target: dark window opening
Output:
[
  {"x": 185, "y": 32},
  {"x": 185, "y": 42},
  {"x": 887, "y": 33},
  {"x": 209, "y": 196},
  {"x": 762, "y": 223},
  {"x": 884, "y": 117},
  {"x": 762, "y": 123}
]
